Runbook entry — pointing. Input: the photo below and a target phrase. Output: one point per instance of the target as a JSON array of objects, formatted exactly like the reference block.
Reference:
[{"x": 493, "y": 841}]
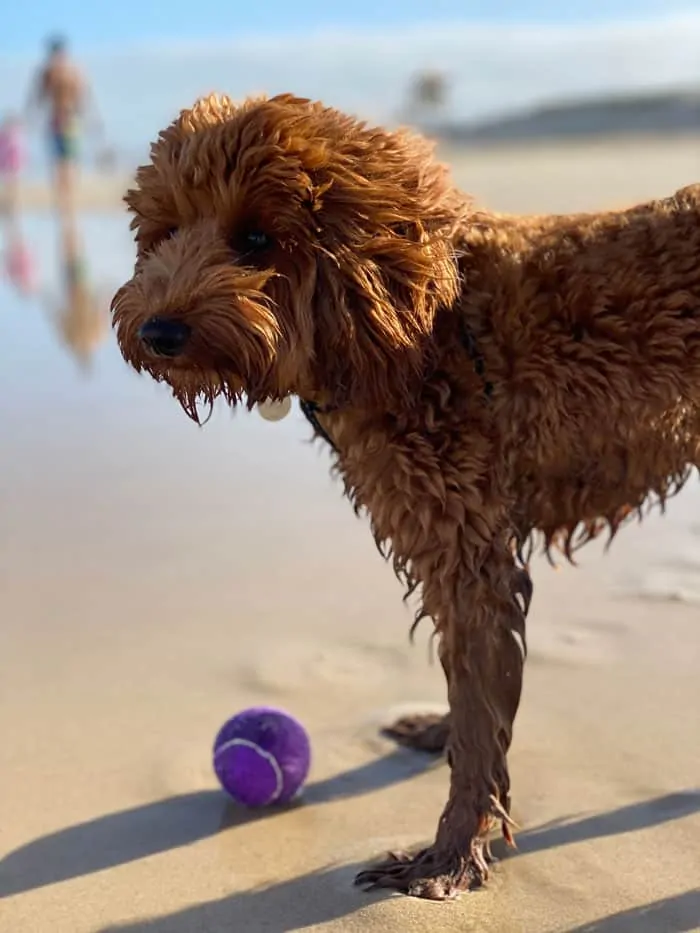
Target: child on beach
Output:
[
  {"x": 16, "y": 257},
  {"x": 12, "y": 158}
]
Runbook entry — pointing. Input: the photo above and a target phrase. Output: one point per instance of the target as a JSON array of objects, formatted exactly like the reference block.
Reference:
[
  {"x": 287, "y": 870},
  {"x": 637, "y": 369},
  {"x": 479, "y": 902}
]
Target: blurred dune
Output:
[{"x": 660, "y": 114}]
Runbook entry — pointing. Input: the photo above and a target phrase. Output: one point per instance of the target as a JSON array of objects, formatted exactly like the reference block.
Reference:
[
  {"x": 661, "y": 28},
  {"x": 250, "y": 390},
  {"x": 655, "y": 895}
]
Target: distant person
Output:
[
  {"x": 12, "y": 157},
  {"x": 61, "y": 88}
]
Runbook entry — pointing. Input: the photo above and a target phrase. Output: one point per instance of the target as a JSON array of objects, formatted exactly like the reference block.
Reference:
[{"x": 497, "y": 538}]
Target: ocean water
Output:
[{"x": 104, "y": 481}]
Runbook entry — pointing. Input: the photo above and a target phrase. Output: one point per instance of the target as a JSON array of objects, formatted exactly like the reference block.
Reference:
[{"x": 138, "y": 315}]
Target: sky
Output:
[
  {"x": 24, "y": 24},
  {"x": 146, "y": 59}
]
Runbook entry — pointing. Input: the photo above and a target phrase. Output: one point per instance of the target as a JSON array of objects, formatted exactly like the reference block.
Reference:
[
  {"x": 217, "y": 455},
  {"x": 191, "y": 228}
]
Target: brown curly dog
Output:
[{"x": 483, "y": 380}]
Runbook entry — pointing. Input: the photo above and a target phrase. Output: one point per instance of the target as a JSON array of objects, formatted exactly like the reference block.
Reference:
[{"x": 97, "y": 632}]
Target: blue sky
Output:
[
  {"x": 25, "y": 24},
  {"x": 146, "y": 59}
]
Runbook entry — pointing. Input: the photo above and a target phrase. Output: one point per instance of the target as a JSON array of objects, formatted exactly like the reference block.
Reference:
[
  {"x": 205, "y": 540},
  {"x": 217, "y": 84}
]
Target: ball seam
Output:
[{"x": 268, "y": 756}]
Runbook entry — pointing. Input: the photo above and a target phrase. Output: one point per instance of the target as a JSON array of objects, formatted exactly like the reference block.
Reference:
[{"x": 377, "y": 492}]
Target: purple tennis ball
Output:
[{"x": 262, "y": 756}]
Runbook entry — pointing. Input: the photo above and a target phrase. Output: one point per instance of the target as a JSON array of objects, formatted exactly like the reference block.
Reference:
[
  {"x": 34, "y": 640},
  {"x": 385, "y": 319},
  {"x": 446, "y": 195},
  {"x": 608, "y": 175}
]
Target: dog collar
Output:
[{"x": 311, "y": 410}]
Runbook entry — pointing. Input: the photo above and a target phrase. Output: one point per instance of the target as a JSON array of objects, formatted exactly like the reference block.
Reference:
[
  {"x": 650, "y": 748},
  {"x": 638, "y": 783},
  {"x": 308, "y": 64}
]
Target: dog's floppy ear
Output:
[
  {"x": 389, "y": 217},
  {"x": 375, "y": 310}
]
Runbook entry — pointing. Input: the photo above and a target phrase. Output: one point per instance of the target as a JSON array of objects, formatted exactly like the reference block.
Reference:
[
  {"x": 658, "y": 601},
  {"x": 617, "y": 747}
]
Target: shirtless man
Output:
[{"x": 61, "y": 88}]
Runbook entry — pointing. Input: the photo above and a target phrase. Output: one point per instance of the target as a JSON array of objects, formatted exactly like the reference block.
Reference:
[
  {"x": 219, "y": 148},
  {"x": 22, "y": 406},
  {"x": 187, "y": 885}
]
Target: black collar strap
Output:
[
  {"x": 472, "y": 348},
  {"x": 311, "y": 410}
]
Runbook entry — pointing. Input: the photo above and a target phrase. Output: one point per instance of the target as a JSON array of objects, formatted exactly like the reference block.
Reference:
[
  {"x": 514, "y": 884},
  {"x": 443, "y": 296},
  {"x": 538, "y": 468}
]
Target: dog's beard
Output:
[
  {"x": 196, "y": 393},
  {"x": 233, "y": 353},
  {"x": 196, "y": 389}
]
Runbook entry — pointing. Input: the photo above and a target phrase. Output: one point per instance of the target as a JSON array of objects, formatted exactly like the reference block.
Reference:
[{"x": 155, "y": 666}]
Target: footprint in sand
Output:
[
  {"x": 676, "y": 580},
  {"x": 299, "y": 667},
  {"x": 593, "y": 641}
]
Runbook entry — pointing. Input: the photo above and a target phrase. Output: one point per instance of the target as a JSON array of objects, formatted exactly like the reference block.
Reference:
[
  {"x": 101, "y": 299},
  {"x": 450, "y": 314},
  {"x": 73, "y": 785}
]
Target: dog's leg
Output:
[
  {"x": 425, "y": 732},
  {"x": 478, "y": 598}
]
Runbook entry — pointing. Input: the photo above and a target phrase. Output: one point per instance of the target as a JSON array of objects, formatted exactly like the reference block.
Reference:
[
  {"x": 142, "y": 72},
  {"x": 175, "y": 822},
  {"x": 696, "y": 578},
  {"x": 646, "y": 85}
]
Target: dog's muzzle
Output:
[{"x": 164, "y": 336}]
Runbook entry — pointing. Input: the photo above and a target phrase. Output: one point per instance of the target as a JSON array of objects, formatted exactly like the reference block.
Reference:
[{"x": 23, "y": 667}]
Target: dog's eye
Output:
[{"x": 256, "y": 240}]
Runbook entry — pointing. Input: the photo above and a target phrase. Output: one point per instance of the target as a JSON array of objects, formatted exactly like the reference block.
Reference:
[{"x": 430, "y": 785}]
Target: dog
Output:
[{"x": 487, "y": 383}]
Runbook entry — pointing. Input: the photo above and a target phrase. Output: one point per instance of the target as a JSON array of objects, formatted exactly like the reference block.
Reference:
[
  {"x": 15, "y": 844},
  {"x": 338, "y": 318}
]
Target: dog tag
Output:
[{"x": 275, "y": 410}]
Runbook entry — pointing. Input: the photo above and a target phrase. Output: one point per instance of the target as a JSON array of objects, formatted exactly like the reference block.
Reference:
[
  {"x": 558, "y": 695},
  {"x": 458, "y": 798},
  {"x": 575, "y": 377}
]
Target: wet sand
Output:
[{"x": 155, "y": 578}]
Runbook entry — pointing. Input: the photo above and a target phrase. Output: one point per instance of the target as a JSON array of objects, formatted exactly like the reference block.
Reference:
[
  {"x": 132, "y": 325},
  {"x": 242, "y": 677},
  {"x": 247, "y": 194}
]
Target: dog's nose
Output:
[{"x": 165, "y": 336}]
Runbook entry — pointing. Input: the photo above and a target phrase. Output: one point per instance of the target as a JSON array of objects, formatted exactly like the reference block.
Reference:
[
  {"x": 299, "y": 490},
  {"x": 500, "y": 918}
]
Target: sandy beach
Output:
[{"x": 156, "y": 578}]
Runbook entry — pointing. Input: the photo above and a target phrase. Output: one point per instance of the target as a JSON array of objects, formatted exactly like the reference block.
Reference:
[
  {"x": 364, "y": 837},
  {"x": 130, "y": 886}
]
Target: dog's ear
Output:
[
  {"x": 390, "y": 217},
  {"x": 375, "y": 311}
]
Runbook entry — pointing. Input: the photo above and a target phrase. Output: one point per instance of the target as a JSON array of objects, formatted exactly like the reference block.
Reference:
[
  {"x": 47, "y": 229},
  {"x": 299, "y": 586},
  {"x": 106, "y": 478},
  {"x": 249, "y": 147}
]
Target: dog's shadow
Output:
[{"x": 119, "y": 838}]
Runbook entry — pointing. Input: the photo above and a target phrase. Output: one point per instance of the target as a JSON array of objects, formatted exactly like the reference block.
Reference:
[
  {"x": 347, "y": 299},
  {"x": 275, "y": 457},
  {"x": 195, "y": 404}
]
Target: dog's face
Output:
[{"x": 283, "y": 247}]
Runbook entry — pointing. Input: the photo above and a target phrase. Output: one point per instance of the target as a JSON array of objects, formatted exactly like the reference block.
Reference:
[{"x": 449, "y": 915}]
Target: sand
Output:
[{"x": 156, "y": 578}]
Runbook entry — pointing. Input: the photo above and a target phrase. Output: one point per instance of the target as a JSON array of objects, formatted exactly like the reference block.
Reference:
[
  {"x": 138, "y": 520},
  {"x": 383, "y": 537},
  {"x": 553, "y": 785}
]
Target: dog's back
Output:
[{"x": 594, "y": 338}]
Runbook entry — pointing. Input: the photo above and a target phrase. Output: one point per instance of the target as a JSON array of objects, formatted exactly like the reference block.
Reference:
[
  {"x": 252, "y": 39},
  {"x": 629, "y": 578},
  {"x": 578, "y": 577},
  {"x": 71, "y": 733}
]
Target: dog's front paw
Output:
[{"x": 431, "y": 874}]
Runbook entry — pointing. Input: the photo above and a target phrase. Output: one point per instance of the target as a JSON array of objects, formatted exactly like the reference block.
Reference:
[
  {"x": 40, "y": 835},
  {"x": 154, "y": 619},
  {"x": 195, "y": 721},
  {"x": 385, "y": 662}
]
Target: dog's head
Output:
[{"x": 283, "y": 247}]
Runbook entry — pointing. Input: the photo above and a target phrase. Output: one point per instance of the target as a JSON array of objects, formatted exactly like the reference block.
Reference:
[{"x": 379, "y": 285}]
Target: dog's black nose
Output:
[{"x": 165, "y": 336}]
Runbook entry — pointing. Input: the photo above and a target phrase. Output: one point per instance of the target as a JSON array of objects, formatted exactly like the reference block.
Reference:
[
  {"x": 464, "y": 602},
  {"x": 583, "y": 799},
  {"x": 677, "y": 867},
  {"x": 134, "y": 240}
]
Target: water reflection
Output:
[
  {"x": 80, "y": 316},
  {"x": 18, "y": 261}
]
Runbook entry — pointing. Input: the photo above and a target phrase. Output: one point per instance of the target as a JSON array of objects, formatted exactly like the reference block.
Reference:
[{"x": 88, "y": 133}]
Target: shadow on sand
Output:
[
  {"x": 679, "y": 914},
  {"x": 119, "y": 838},
  {"x": 623, "y": 820},
  {"x": 295, "y": 905}
]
